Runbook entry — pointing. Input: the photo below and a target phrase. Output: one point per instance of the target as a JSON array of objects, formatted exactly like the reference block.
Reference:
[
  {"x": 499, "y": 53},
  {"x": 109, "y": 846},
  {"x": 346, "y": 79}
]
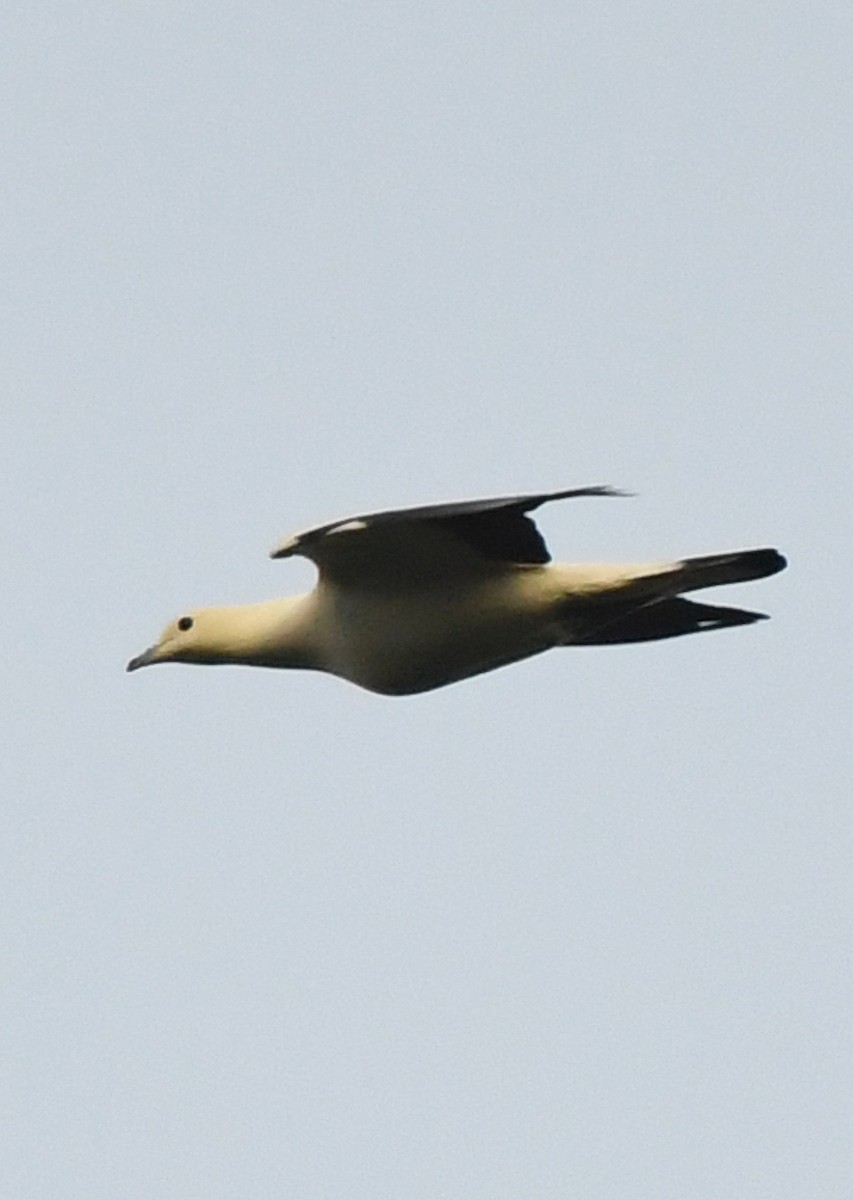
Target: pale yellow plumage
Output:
[{"x": 413, "y": 600}]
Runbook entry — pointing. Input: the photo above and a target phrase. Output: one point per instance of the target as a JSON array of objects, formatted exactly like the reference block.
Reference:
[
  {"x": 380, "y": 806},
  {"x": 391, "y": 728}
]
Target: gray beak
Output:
[{"x": 144, "y": 659}]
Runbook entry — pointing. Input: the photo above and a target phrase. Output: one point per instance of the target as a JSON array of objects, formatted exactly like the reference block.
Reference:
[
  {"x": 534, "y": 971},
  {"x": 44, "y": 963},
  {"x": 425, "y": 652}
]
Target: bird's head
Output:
[
  {"x": 195, "y": 637},
  {"x": 266, "y": 634}
]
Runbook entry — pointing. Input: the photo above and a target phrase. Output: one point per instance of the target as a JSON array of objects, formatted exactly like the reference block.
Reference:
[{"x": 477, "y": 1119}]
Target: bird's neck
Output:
[{"x": 273, "y": 633}]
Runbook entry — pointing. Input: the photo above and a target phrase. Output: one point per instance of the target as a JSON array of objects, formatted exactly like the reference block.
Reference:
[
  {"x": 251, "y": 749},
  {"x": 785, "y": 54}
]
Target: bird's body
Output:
[
  {"x": 410, "y": 640},
  {"x": 412, "y": 600}
]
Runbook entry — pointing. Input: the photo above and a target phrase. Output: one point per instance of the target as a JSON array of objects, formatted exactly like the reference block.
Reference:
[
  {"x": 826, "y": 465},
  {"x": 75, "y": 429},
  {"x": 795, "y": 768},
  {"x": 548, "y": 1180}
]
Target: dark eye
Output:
[{"x": 185, "y": 623}]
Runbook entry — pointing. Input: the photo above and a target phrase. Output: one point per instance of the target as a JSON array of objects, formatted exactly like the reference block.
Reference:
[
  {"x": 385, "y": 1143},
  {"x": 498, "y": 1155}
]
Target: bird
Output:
[{"x": 418, "y": 598}]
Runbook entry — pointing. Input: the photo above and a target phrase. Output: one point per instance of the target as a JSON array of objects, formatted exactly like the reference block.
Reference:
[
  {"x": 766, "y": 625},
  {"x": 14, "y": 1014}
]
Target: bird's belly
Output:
[{"x": 401, "y": 646}]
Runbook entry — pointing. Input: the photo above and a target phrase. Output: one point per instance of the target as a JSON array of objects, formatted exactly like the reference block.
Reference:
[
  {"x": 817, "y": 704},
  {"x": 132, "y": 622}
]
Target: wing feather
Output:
[{"x": 463, "y": 538}]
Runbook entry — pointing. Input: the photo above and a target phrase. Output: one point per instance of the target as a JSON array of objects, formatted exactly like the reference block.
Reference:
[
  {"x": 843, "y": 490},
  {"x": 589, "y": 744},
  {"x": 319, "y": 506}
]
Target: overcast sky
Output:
[{"x": 577, "y": 928}]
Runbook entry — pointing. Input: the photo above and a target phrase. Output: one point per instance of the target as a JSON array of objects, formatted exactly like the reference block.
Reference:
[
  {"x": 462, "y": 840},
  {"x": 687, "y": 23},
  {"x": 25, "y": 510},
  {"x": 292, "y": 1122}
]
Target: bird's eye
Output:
[{"x": 185, "y": 623}]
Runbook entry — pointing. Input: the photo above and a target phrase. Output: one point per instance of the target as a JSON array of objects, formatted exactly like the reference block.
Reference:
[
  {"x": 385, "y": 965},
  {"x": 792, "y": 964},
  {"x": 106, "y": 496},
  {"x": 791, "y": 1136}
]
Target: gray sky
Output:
[{"x": 579, "y": 928}]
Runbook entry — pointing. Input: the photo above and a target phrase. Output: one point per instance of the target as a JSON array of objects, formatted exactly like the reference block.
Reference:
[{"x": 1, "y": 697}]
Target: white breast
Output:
[{"x": 413, "y": 640}]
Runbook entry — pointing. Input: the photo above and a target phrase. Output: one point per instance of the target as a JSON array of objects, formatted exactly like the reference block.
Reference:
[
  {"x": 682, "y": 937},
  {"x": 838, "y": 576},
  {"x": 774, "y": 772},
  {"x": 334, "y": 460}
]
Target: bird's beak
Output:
[{"x": 144, "y": 659}]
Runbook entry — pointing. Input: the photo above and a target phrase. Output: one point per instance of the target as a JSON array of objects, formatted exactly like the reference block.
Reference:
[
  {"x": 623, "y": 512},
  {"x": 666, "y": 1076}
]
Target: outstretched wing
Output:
[{"x": 464, "y": 539}]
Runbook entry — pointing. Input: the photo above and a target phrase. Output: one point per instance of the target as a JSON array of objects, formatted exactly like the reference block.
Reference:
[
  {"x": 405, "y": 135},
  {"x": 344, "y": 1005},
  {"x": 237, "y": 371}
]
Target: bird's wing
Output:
[{"x": 466, "y": 539}]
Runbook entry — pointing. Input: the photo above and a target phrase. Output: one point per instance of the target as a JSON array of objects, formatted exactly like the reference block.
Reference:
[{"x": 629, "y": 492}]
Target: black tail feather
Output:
[{"x": 710, "y": 570}]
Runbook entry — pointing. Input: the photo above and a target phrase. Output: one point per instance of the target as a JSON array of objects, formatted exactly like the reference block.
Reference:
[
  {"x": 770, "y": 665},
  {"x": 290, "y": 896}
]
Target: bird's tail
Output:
[
  {"x": 645, "y": 603},
  {"x": 711, "y": 570}
]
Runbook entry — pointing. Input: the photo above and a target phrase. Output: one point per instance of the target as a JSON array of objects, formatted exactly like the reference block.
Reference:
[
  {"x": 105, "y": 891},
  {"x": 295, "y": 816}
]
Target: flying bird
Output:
[{"x": 414, "y": 599}]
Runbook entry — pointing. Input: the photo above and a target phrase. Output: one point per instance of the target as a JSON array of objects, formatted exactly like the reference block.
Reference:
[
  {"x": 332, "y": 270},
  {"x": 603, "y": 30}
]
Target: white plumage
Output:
[{"x": 413, "y": 599}]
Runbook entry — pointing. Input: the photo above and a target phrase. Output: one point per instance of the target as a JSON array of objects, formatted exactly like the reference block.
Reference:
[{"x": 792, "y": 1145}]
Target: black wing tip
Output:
[
  {"x": 596, "y": 491},
  {"x": 724, "y": 618},
  {"x": 662, "y": 619}
]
